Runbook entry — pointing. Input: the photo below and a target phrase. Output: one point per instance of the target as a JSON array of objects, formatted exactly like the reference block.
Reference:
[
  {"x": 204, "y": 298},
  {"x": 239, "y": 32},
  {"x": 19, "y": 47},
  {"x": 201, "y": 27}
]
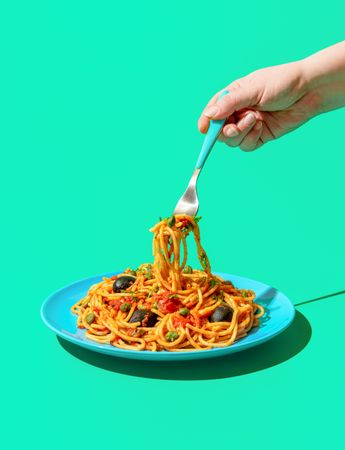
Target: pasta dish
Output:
[{"x": 168, "y": 305}]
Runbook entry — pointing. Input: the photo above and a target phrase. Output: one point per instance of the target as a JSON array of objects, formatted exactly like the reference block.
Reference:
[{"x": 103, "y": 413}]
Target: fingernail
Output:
[
  {"x": 231, "y": 132},
  {"x": 258, "y": 126},
  {"x": 212, "y": 111},
  {"x": 249, "y": 119}
]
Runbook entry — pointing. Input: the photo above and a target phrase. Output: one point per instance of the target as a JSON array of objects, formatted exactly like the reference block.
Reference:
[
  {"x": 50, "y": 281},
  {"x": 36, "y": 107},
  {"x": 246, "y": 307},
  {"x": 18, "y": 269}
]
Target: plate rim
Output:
[{"x": 164, "y": 355}]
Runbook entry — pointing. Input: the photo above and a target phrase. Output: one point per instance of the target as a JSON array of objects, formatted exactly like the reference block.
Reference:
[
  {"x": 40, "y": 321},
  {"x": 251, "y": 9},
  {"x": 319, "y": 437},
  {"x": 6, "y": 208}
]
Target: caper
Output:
[
  {"x": 90, "y": 318},
  {"x": 184, "y": 311},
  {"x": 171, "y": 336}
]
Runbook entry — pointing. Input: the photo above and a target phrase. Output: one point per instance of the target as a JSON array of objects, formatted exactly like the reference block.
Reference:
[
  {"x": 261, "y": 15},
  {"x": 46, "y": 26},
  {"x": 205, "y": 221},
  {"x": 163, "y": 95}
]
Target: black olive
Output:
[
  {"x": 221, "y": 314},
  {"x": 139, "y": 316},
  {"x": 122, "y": 283},
  {"x": 151, "y": 320}
]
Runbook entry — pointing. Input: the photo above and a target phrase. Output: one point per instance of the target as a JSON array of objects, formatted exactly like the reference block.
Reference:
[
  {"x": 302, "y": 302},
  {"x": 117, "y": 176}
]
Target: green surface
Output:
[{"x": 99, "y": 104}]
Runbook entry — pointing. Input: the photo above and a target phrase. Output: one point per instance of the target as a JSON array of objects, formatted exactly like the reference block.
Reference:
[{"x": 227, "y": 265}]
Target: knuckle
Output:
[
  {"x": 234, "y": 85},
  {"x": 230, "y": 143},
  {"x": 247, "y": 145}
]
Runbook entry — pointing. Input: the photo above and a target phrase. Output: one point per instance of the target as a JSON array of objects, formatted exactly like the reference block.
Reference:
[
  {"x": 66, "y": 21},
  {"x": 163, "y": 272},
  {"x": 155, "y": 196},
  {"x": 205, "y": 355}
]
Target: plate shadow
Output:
[{"x": 283, "y": 347}]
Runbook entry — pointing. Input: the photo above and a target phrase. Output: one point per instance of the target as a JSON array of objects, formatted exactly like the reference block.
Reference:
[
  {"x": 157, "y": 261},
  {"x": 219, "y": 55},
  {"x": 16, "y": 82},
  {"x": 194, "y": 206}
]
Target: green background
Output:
[{"x": 99, "y": 103}]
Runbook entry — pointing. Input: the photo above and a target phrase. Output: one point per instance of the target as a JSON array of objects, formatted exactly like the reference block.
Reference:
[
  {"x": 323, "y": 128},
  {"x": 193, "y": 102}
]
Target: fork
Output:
[{"x": 189, "y": 202}]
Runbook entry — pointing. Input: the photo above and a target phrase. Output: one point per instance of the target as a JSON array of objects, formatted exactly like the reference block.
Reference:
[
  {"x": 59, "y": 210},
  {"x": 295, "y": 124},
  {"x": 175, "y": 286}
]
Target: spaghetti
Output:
[{"x": 168, "y": 305}]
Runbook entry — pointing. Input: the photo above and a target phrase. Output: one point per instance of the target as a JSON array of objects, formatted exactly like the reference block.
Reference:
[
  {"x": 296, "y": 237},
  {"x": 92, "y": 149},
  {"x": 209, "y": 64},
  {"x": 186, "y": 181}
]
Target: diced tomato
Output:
[
  {"x": 167, "y": 307},
  {"x": 114, "y": 277},
  {"x": 115, "y": 304},
  {"x": 198, "y": 321},
  {"x": 166, "y": 303},
  {"x": 185, "y": 223},
  {"x": 180, "y": 321}
]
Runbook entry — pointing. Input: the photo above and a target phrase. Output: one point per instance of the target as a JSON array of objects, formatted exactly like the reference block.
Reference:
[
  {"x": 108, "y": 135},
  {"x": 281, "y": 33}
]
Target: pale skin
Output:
[{"x": 273, "y": 101}]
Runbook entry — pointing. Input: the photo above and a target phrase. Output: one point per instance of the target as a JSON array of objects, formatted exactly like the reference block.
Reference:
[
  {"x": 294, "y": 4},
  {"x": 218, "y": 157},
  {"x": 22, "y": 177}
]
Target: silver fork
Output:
[{"x": 189, "y": 202}]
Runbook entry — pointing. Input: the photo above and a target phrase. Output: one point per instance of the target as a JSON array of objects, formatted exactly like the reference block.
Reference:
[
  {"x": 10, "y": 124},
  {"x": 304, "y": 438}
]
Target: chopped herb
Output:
[
  {"x": 85, "y": 302},
  {"x": 171, "y": 221},
  {"x": 188, "y": 270},
  {"x": 244, "y": 294},
  {"x": 171, "y": 336},
  {"x": 125, "y": 307},
  {"x": 148, "y": 272},
  {"x": 155, "y": 305},
  {"x": 213, "y": 282},
  {"x": 203, "y": 260},
  {"x": 197, "y": 219},
  {"x": 184, "y": 311},
  {"x": 140, "y": 307},
  {"x": 150, "y": 293},
  {"x": 218, "y": 297},
  {"x": 133, "y": 272},
  {"x": 173, "y": 296}
]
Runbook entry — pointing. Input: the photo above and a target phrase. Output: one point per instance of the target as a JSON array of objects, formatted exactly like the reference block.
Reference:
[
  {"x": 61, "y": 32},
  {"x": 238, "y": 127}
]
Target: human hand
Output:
[{"x": 262, "y": 106}]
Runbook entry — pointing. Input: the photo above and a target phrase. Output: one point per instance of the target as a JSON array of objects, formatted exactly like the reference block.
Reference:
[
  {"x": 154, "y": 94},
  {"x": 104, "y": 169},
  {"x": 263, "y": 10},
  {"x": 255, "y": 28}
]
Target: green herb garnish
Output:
[
  {"x": 171, "y": 221},
  {"x": 203, "y": 260},
  {"x": 85, "y": 302},
  {"x": 125, "y": 307},
  {"x": 148, "y": 272},
  {"x": 213, "y": 283},
  {"x": 188, "y": 270}
]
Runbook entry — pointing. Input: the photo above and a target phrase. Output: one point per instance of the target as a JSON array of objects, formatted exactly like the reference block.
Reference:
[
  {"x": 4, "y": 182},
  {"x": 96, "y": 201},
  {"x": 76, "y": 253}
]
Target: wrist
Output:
[
  {"x": 323, "y": 77},
  {"x": 308, "y": 86}
]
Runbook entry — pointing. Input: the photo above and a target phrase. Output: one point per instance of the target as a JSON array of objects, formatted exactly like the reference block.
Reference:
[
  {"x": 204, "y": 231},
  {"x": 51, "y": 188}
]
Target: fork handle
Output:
[{"x": 211, "y": 136}]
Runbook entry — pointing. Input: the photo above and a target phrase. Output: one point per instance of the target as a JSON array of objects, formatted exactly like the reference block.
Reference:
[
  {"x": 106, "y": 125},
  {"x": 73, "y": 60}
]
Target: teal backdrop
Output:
[{"x": 99, "y": 104}]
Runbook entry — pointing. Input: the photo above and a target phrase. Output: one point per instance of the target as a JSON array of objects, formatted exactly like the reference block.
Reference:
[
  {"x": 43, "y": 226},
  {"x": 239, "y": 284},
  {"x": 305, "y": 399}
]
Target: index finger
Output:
[{"x": 204, "y": 121}]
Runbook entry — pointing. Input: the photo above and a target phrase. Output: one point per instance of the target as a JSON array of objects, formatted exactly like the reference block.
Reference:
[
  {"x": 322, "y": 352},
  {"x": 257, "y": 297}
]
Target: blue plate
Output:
[{"x": 279, "y": 313}]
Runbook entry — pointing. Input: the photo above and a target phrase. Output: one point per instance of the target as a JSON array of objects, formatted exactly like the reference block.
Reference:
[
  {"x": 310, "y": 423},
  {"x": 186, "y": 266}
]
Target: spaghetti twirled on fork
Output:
[{"x": 168, "y": 305}]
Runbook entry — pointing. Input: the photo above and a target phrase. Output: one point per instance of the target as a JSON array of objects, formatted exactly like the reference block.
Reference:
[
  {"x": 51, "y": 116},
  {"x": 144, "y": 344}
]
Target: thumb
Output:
[{"x": 239, "y": 97}]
